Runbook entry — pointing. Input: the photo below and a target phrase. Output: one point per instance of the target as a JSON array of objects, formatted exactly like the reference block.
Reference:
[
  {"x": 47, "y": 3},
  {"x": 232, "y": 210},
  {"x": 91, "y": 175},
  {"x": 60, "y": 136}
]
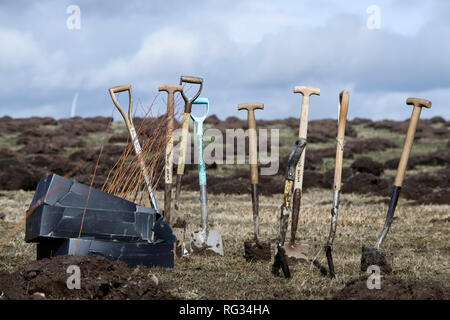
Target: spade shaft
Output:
[
  {"x": 170, "y": 89},
  {"x": 210, "y": 240},
  {"x": 401, "y": 170},
  {"x": 377, "y": 256},
  {"x": 280, "y": 255},
  {"x": 289, "y": 177},
  {"x": 299, "y": 171},
  {"x": 253, "y": 160},
  {"x": 185, "y": 131},
  {"x": 342, "y": 120},
  {"x": 132, "y": 131}
]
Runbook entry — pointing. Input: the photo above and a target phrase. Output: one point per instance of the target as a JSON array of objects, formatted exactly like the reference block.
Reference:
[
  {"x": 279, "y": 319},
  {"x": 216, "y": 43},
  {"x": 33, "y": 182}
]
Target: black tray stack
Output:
[{"x": 112, "y": 227}]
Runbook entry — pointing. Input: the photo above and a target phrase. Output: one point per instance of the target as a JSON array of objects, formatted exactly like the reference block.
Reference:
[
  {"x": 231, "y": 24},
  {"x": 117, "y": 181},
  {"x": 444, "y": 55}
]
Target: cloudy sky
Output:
[{"x": 245, "y": 51}]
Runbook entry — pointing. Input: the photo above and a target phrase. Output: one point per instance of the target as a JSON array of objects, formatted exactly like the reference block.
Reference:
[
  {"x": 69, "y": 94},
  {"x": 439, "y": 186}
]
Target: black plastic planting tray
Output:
[
  {"x": 132, "y": 253},
  {"x": 112, "y": 227}
]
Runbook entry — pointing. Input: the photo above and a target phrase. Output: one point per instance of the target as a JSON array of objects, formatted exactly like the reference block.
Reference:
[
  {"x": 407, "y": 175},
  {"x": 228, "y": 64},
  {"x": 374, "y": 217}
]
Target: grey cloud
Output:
[{"x": 148, "y": 43}]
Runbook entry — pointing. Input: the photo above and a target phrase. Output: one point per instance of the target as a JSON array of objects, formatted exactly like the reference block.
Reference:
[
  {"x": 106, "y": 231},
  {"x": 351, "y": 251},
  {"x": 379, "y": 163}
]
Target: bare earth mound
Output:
[
  {"x": 393, "y": 289},
  {"x": 100, "y": 279}
]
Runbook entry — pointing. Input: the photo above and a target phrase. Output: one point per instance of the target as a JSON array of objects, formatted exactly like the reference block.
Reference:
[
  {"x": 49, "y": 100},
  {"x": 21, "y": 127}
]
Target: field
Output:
[{"x": 419, "y": 237}]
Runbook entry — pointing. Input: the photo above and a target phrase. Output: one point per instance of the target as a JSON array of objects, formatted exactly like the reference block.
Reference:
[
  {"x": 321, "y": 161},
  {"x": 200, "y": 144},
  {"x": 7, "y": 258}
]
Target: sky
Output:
[{"x": 58, "y": 63}]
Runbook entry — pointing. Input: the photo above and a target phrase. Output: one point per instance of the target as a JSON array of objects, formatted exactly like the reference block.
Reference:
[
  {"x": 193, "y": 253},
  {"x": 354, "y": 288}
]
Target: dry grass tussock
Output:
[{"x": 419, "y": 238}]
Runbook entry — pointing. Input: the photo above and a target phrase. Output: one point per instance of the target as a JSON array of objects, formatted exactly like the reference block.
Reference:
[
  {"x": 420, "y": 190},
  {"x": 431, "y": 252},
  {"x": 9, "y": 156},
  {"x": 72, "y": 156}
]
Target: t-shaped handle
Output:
[
  {"x": 253, "y": 149},
  {"x": 250, "y": 107},
  {"x": 302, "y": 132},
  {"x": 307, "y": 91},
  {"x": 170, "y": 89},
  {"x": 418, "y": 104}
]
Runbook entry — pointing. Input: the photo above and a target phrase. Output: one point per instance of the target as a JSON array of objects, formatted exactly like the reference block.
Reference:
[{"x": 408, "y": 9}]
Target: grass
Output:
[
  {"x": 9, "y": 141},
  {"x": 50, "y": 127},
  {"x": 419, "y": 238}
]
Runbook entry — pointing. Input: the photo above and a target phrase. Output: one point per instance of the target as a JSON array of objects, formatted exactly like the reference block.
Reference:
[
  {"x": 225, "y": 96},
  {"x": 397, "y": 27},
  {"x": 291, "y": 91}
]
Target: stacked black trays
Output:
[{"x": 112, "y": 227}]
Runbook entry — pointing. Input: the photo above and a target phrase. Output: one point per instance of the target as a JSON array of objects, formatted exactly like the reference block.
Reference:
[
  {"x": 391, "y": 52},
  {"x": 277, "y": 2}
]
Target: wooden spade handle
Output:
[
  {"x": 170, "y": 89},
  {"x": 343, "y": 109},
  {"x": 128, "y": 118},
  {"x": 134, "y": 138},
  {"x": 303, "y": 129},
  {"x": 418, "y": 104},
  {"x": 188, "y": 102},
  {"x": 253, "y": 142},
  {"x": 190, "y": 79}
]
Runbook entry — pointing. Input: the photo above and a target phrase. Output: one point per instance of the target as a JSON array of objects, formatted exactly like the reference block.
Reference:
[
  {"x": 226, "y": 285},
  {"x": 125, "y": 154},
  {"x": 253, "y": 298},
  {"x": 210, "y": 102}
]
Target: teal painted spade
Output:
[{"x": 204, "y": 241}]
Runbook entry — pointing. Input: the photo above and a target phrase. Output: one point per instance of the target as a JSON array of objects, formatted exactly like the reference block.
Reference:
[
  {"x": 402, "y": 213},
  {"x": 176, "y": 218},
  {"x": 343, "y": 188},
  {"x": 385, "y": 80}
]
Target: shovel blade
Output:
[
  {"x": 280, "y": 262},
  {"x": 372, "y": 256},
  {"x": 297, "y": 252},
  {"x": 203, "y": 242}
]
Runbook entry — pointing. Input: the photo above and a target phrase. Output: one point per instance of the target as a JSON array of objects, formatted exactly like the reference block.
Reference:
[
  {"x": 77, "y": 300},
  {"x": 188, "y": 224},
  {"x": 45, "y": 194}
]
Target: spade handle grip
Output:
[
  {"x": 190, "y": 79},
  {"x": 128, "y": 118},
  {"x": 188, "y": 102}
]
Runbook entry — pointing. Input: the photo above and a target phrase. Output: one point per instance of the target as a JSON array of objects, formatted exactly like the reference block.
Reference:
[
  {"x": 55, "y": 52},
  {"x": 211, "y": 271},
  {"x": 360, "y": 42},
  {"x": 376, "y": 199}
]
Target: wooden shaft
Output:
[
  {"x": 183, "y": 143},
  {"x": 343, "y": 109},
  {"x": 302, "y": 133},
  {"x": 253, "y": 140},
  {"x": 169, "y": 148},
  {"x": 253, "y": 151},
  {"x": 170, "y": 89},
  {"x": 401, "y": 170}
]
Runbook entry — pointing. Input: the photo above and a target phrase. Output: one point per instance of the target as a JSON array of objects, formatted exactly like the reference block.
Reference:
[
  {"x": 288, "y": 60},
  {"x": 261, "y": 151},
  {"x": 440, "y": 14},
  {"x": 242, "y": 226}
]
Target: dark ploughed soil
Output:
[
  {"x": 438, "y": 158},
  {"x": 361, "y": 146},
  {"x": 367, "y": 183},
  {"x": 100, "y": 279},
  {"x": 45, "y": 145},
  {"x": 366, "y": 164},
  {"x": 393, "y": 289},
  {"x": 257, "y": 251}
]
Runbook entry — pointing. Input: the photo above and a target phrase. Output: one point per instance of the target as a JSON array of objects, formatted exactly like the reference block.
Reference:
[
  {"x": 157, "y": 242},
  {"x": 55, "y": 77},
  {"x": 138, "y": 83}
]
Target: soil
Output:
[
  {"x": 357, "y": 121},
  {"x": 381, "y": 258},
  {"x": 326, "y": 130},
  {"x": 100, "y": 279},
  {"x": 366, "y": 164},
  {"x": 362, "y": 146},
  {"x": 395, "y": 126},
  {"x": 257, "y": 251},
  {"x": 119, "y": 137},
  {"x": 428, "y": 188},
  {"x": 438, "y": 158},
  {"x": 393, "y": 289},
  {"x": 328, "y": 177},
  {"x": 437, "y": 119},
  {"x": 366, "y": 183},
  {"x": 43, "y": 149}
]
